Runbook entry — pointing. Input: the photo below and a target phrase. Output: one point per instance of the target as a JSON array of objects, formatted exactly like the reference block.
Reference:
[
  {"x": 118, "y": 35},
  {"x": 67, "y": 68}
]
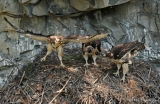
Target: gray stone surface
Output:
[
  {"x": 125, "y": 20},
  {"x": 11, "y": 6},
  {"x": 83, "y": 5},
  {"x": 40, "y": 9}
]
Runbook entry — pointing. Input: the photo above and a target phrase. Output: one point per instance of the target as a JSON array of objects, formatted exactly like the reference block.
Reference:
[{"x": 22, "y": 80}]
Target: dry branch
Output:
[{"x": 59, "y": 92}]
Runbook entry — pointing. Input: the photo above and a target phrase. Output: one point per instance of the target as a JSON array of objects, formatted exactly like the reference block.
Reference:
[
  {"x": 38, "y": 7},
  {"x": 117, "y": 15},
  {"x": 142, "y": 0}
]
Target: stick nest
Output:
[{"x": 47, "y": 83}]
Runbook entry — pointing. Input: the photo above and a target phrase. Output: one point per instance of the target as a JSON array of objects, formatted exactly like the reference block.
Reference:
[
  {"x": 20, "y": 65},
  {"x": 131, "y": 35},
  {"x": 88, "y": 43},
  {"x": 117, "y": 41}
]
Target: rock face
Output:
[{"x": 125, "y": 20}]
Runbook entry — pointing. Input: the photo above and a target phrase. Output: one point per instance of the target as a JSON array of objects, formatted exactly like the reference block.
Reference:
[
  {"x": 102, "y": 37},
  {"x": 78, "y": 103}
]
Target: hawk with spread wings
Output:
[
  {"x": 121, "y": 55},
  {"x": 55, "y": 42}
]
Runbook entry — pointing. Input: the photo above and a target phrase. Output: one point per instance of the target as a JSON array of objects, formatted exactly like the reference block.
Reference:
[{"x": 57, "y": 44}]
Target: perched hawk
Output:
[
  {"x": 91, "y": 49},
  {"x": 55, "y": 42},
  {"x": 121, "y": 55}
]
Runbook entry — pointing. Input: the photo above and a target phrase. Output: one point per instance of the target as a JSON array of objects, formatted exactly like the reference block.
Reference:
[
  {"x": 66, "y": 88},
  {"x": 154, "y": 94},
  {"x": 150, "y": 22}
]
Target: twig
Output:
[
  {"x": 157, "y": 91},
  {"x": 22, "y": 78},
  {"x": 98, "y": 78},
  {"x": 31, "y": 89},
  {"x": 59, "y": 91},
  {"x": 149, "y": 74},
  {"x": 28, "y": 97},
  {"x": 42, "y": 97},
  {"x": 79, "y": 99},
  {"x": 36, "y": 101},
  {"x": 46, "y": 98},
  {"x": 42, "y": 94},
  {"x": 8, "y": 92},
  {"x": 105, "y": 77},
  {"x": 89, "y": 102},
  {"x": 139, "y": 79}
]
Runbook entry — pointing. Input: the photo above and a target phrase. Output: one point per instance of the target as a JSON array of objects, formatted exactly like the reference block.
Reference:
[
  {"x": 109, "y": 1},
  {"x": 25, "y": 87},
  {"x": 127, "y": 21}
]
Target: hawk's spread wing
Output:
[
  {"x": 85, "y": 39},
  {"x": 60, "y": 39}
]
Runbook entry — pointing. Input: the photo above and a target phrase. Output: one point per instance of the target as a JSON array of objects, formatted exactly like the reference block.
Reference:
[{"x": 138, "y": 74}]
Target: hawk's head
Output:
[{"x": 89, "y": 49}]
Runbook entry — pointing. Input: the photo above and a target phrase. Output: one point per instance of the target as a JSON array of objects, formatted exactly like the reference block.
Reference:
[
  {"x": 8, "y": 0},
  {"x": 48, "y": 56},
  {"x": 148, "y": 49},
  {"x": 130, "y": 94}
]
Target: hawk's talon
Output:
[
  {"x": 43, "y": 59},
  {"x": 116, "y": 73},
  {"x": 95, "y": 64},
  {"x": 123, "y": 79},
  {"x": 62, "y": 65},
  {"x": 86, "y": 65}
]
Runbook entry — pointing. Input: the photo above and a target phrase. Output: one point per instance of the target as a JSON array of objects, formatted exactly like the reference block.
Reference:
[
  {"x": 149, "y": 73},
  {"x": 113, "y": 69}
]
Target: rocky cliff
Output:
[{"x": 125, "y": 20}]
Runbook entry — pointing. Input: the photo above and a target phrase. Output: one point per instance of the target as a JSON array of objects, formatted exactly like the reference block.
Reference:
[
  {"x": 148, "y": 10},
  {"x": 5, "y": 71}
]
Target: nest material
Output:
[{"x": 47, "y": 83}]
